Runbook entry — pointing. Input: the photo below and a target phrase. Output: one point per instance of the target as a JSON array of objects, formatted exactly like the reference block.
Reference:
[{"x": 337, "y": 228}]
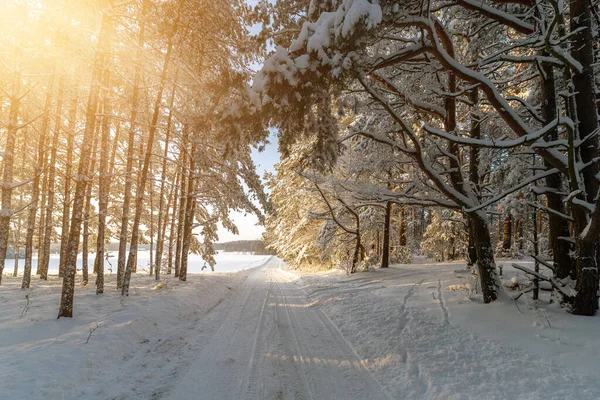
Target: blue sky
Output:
[
  {"x": 247, "y": 224},
  {"x": 265, "y": 160}
]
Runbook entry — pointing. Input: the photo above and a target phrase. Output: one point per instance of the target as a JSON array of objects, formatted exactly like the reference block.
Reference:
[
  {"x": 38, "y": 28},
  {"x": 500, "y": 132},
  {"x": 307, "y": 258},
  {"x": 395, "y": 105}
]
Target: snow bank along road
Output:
[
  {"x": 273, "y": 344},
  {"x": 424, "y": 341},
  {"x": 267, "y": 333}
]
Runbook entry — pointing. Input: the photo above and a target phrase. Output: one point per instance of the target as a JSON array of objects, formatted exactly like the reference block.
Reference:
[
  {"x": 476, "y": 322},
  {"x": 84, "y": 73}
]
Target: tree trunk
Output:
[
  {"x": 474, "y": 177},
  {"x": 68, "y": 289},
  {"x": 7, "y": 175},
  {"x": 519, "y": 225},
  {"x": 64, "y": 235},
  {"x": 402, "y": 233},
  {"x": 151, "y": 218},
  {"x": 558, "y": 226},
  {"x": 507, "y": 241},
  {"x": 160, "y": 239},
  {"x": 16, "y": 266},
  {"x": 49, "y": 228},
  {"x": 35, "y": 193},
  {"x": 132, "y": 259},
  {"x": 86, "y": 217},
  {"x": 42, "y": 208},
  {"x": 165, "y": 221},
  {"x": 189, "y": 215},
  {"x": 175, "y": 207},
  {"x": 182, "y": 203},
  {"x": 471, "y": 250},
  {"x": 586, "y": 300},
  {"x": 135, "y": 100},
  {"x": 385, "y": 255},
  {"x": 486, "y": 266},
  {"x": 582, "y": 50},
  {"x": 103, "y": 185},
  {"x": 500, "y": 228},
  {"x": 357, "y": 249}
]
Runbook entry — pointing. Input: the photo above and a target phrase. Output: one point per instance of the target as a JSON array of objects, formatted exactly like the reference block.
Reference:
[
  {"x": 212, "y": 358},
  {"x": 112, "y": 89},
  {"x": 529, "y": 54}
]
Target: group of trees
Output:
[
  {"x": 471, "y": 111},
  {"x": 463, "y": 126},
  {"x": 109, "y": 121}
]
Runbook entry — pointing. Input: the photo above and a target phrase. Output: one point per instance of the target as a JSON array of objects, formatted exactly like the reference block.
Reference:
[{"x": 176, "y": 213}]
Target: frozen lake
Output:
[{"x": 226, "y": 262}]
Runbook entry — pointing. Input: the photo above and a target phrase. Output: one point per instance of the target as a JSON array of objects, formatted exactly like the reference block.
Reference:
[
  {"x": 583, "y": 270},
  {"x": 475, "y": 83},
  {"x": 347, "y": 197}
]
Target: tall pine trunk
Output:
[
  {"x": 190, "y": 208},
  {"x": 558, "y": 226},
  {"x": 586, "y": 300},
  {"x": 507, "y": 233},
  {"x": 385, "y": 254},
  {"x": 68, "y": 288},
  {"x": 8, "y": 164},
  {"x": 182, "y": 202},
  {"x": 64, "y": 235},
  {"x": 135, "y": 103},
  {"x": 486, "y": 267},
  {"x": 172, "y": 231},
  {"x": 103, "y": 185},
  {"x": 85, "y": 246},
  {"x": 161, "y": 233},
  {"x": 133, "y": 246},
  {"x": 49, "y": 225},
  {"x": 35, "y": 192}
]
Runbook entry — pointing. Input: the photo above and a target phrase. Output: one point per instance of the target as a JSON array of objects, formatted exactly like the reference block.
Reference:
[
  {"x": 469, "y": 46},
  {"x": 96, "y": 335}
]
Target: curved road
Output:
[{"x": 271, "y": 344}]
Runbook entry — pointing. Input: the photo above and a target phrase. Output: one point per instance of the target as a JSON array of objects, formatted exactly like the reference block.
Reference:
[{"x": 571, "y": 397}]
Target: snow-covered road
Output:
[
  {"x": 272, "y": 344},
  {"x": 406, "y": 332}
]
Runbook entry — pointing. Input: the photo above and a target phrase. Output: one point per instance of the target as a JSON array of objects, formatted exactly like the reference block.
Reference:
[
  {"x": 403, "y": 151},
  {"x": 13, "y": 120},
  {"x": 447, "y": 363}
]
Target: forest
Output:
[
  {"x": 110, "y": 132},
  {"x": 457, "y": 129}
]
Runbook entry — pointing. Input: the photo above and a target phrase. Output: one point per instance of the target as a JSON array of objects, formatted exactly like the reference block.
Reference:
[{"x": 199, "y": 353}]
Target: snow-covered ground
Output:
[
  {"x": 421, "y": 335},
  {"x": 408, "y": 332},
  {"x": 226, "y": 262}
]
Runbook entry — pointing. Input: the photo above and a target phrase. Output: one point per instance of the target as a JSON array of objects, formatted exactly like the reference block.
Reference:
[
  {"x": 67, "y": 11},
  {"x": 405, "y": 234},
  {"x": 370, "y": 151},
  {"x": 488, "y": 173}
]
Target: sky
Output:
[
  {"x": 265, "y": 161},
  {"x": 247, "y": 224}
]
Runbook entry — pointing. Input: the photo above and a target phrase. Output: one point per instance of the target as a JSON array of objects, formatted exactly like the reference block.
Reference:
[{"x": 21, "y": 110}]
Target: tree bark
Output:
[
  {"x": 132, "y": 259},
  {"x": 486, "y": 266},
  {"x": 49, "y": 225},
  {"x": 103, "y": 185},
  {"x": 474, "y": 177},
  {"x": 42, "y": 208},
  {"x": 68, "y": 289},
  {"x": 385, "y": 255},
  {"x": 182, "y": 202},
  {"x": 172, "y": 230},
  {"x": 189, "y": 214},
  {"x": 7, "y": 175},
  {"x": 558, "y": 226},
  {"x": 582, "y": 50},
  {"x": 64, "y": 235},
  {"x": 86, "y": 217},
  {"x": 35, "y": 193},
  {"x": 507, "y": 240},
  {"x": 160, "y": 239},
  {"x": 402, "y": 233},
  {"x": 123, "y": 234}
]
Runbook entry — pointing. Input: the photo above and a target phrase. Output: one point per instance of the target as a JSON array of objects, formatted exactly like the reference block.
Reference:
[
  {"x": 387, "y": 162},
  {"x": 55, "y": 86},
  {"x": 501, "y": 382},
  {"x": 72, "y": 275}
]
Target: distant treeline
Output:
[{"x": 252, "y": 246}]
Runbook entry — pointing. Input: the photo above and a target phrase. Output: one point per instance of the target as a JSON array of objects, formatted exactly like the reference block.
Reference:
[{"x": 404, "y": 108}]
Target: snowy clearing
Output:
[{"x": 408, "y": 332}]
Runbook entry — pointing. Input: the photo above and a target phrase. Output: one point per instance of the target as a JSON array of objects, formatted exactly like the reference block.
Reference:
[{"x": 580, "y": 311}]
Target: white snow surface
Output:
[
  {"x": 406, "y": 332},
  {"x": 226, "y": 262}
]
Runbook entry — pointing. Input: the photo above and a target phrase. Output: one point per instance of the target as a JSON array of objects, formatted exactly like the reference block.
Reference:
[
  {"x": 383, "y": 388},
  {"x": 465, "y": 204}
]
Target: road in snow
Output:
[
  {"x": 272, "y": 344},
  {"x": 407, "y": 332}
]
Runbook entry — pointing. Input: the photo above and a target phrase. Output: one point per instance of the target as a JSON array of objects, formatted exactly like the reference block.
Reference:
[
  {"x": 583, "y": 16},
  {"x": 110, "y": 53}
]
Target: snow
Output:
[
  {"x": 140, "y": 339},
  {"x": 317, "y": 36},
  {"x": 226, "y": 262},
  {"x": 418, "y": 331},
  {"x": 410, "y": 331}
]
